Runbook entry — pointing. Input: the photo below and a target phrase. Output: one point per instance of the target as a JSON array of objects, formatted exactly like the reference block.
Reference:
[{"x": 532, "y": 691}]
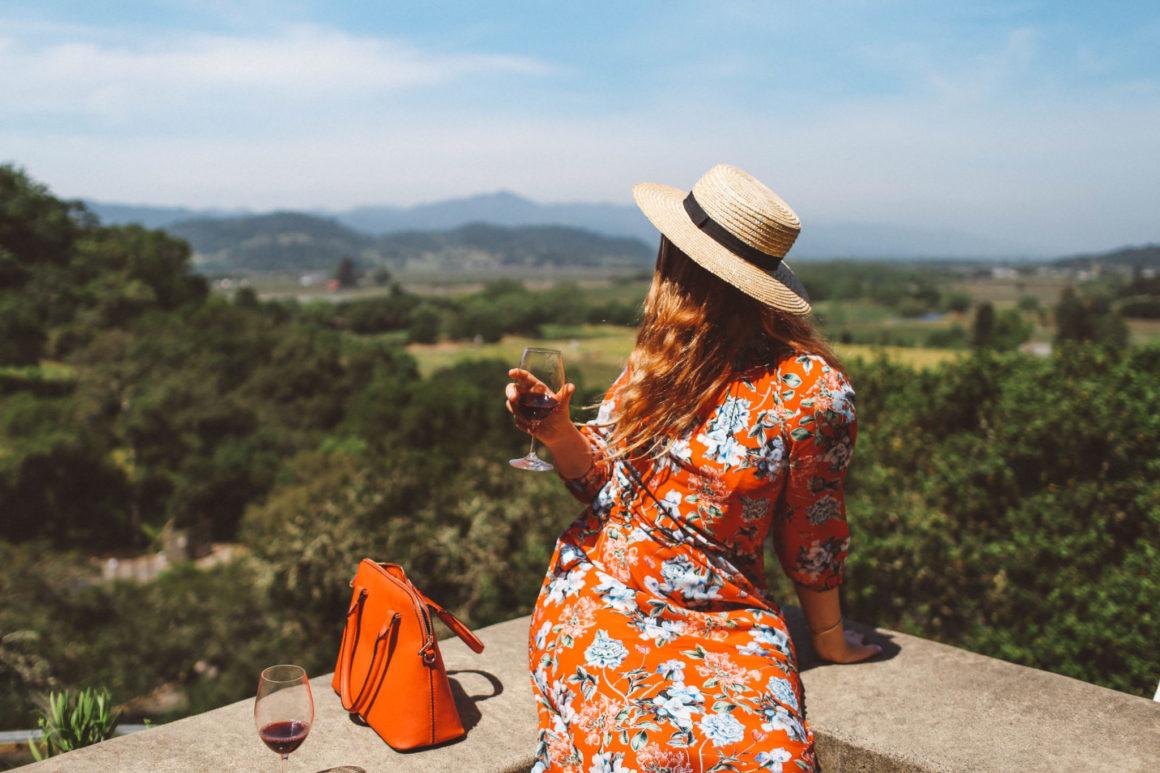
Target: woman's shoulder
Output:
[
  {"x": 805, "y": 380},
  {"x": 796, "y": 368}
]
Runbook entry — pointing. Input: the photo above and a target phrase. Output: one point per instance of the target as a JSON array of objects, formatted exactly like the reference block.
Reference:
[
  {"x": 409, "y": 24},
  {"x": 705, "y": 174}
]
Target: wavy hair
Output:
[{"x": 697, "y": 334}]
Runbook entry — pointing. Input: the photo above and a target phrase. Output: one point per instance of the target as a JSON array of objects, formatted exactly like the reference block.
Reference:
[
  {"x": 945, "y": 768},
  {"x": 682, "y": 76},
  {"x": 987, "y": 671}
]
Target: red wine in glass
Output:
[
  {"x": 284, "y": 709},
  {"x": 546, "y": 367},
  {"x": 534, "y": 406},
  {"x": 285, "y": 736}
]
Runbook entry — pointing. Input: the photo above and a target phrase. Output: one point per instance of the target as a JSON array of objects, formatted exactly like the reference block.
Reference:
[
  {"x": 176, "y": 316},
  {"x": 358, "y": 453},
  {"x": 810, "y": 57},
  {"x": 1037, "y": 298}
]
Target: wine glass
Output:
[
  {"x": 284, "y": 710},
  {"x": 547, "y": 366}
]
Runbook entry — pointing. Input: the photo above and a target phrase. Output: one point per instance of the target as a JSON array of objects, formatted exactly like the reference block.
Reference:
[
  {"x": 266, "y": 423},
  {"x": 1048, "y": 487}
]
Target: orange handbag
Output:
[{"x": 390, "y": 671}]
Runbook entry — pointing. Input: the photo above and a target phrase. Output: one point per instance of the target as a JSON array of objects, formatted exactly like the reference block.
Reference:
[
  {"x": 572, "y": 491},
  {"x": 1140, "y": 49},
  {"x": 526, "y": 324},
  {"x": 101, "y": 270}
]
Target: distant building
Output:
[{"x": 1037, "y": 348}]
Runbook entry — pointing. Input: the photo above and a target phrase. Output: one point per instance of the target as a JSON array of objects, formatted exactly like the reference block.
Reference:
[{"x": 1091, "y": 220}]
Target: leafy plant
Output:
[{"x": 72, "y": 720}]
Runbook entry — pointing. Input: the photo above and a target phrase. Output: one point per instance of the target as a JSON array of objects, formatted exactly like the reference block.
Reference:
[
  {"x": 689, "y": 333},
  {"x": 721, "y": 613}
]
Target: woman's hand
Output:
[
  {"x": 841, "y": 646},
  {"x": 557, "y": 424}
]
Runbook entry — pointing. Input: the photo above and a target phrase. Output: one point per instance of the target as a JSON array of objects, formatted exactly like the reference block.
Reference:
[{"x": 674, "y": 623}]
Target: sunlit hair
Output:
[{"x": 697, "y": 334}]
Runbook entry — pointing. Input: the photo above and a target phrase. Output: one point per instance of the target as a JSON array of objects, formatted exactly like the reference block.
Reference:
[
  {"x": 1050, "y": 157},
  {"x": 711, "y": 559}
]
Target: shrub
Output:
[{"x": 72, "y": 720}]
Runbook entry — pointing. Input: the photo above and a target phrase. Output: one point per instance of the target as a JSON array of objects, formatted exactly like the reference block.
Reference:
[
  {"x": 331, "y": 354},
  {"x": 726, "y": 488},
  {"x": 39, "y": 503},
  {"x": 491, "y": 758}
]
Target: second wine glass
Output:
[
  {"x": 284, "y": 710},
  {"x": 546, "y": 367}
]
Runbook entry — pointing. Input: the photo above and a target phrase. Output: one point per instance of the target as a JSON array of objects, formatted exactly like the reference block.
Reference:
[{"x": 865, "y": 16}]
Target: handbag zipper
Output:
[{"x": 427, "y": 650}]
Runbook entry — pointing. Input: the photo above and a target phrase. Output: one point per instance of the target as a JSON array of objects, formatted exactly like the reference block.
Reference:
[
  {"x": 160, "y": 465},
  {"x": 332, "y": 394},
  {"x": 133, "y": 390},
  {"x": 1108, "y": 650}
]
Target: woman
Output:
[{"x": 654, "y": 646}]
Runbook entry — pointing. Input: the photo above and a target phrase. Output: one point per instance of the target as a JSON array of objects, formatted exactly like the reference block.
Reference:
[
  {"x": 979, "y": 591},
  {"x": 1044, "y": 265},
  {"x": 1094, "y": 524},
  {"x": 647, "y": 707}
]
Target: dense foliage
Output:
[
  {"x": 1003, "y": 503},
  {"x": 1011, "y": 505}
]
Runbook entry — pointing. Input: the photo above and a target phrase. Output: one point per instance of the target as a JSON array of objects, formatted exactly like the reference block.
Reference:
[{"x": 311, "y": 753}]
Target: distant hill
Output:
[
  {"x": 1146, "y": 256},
  {"x": 153, "y": 217},
  {"x": 482, "y": 245},
  {"x": 819, "y": 239},
  {"x": 500, "y": 208},
  {"x": 289, "y": 241},
  {"x": 293, "y": 241}
]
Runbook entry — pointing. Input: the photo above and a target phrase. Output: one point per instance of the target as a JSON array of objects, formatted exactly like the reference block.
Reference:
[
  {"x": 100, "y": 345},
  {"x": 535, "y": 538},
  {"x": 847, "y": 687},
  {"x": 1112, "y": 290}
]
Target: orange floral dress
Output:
[{"x": 654, "y": 645}]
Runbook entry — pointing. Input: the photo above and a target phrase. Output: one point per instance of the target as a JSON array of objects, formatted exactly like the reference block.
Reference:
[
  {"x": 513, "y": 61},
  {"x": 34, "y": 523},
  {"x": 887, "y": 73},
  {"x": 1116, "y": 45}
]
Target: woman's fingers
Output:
[
  {"x": 863, "y": 652},
  {"x": 852, "y": 650},
  {"x": 565, "y": 397},
  {"x": 523, "y": 382},
  {"x": 523, "y": 378},
  {"x": 856, "y": 650}
]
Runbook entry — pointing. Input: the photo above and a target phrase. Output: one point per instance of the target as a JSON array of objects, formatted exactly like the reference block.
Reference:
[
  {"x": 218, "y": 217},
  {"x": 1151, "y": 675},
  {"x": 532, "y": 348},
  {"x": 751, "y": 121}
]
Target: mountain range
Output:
[
  {"x": 294, "y": 241},
  {"x": 820, "y": 240},
  {"x": 1145, "y": 256}
]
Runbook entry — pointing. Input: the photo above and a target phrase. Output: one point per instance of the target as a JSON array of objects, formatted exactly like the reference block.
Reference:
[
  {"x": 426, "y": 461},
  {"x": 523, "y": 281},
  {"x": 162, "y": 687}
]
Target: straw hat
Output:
[{"x": 734, "y": 226}]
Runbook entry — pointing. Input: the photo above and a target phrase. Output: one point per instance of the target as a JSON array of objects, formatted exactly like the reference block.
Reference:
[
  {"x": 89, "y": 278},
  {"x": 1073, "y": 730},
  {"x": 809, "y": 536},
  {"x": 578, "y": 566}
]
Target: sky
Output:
[{"x": 1031, "y": 123}]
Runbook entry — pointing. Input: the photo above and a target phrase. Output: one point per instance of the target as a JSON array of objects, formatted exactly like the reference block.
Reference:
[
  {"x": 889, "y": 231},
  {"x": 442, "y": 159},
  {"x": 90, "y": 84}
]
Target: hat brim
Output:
[{"x": 664, "y": 206}]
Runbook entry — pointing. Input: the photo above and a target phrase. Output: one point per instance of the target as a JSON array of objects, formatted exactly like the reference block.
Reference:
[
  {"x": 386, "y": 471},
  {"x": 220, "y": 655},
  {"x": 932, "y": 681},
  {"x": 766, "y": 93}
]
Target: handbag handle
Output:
[
  {"x": 453, "y": 622},
  {"x": 378, "y": 665}
]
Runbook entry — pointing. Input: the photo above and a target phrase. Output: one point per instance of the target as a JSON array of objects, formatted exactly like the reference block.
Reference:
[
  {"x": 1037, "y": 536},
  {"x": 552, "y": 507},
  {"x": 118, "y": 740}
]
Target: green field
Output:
[
  {"x": 594, "y": 354},
  {"x": 598, "y": 352},
  {"x": 1144, "y": 331},
  {"x": 609, "y": 284}
]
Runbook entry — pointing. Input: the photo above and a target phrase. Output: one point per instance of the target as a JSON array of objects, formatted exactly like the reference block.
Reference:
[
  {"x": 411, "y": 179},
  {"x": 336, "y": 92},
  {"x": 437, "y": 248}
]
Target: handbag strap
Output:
[
  {"x": 454, "y": 623},
  {"x": 379, "y": 657}
]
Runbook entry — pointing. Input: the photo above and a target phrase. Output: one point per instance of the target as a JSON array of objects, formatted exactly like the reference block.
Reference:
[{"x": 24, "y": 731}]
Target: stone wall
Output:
[{"x": 922, "y": 706}]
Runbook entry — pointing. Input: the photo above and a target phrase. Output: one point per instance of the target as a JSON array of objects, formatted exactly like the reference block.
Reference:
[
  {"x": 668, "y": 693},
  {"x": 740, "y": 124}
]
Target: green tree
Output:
[
  {"x": 1010, "y": 330},
  {"x": 346, "y": 273},
  {"x": 1089, "y": 318},
  {"x": 22, "y": 333},
  {"x": 424, "y": 327},
  {"x": 983, "y": 327},
  {"x": 958, "y": 302}
]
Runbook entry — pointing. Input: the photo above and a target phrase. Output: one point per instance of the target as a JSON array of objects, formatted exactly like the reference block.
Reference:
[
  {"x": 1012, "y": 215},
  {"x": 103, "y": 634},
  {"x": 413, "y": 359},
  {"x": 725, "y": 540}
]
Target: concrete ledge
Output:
[
  {"x": 493, "y": 692},
  {"x": 923, "y": 706}
]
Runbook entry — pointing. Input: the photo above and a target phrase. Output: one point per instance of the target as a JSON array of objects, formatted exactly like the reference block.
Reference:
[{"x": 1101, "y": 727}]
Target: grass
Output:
[
  {"x": 1144, "y": 331},
  {"x": 47, "y": 370},
  {"x": 918, "y": 357},
  {"x": 1007, "y": 292}
]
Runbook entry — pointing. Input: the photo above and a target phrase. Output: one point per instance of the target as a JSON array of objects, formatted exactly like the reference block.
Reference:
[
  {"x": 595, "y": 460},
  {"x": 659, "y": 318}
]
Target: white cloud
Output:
[
  {"x": 977, "y": 139},
  {"x": 120, "y": 82},
  {"x": 1056, "y": 178}
]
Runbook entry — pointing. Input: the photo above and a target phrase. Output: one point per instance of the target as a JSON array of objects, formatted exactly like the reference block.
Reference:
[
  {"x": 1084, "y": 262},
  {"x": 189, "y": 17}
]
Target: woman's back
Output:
[{"x": 772, "y": 454}]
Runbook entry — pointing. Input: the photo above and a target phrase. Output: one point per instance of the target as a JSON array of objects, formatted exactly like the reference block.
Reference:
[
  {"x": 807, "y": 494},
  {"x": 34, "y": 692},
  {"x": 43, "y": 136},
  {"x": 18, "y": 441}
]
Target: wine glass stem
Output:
[
  {"x": 532, "y": 448},
  {"x": 283, "y": 765}
]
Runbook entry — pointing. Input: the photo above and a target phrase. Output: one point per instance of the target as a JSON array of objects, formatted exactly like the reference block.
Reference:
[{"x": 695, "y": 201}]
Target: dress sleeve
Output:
[
  {"x": 810, "y": 529},
  {"x": 596, "y": 433}
]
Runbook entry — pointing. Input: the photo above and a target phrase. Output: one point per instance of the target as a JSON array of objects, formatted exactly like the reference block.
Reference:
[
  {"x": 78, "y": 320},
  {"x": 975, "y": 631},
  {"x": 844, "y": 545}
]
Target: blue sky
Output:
[{"x": 1033, "y": 123}]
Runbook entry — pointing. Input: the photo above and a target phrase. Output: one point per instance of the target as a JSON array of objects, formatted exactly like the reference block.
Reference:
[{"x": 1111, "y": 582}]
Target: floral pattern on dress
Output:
[{"x": 654, "y": 647}]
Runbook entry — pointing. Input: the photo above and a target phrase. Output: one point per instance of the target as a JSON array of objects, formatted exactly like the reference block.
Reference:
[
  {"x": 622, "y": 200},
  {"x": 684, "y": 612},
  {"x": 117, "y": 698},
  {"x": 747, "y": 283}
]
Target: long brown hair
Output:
[{"x": 697, "y": 333}]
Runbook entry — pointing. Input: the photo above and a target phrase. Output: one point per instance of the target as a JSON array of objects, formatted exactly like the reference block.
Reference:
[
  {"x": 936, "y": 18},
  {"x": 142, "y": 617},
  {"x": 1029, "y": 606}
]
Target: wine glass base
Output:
[{"x": 531, "y": 462}]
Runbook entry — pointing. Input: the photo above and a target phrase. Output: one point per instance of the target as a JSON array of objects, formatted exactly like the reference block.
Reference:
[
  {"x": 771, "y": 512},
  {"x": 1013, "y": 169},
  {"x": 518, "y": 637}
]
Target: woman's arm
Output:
[
  {"x": 823, "y": 612},
  {"x": 811, "y": 532},
  {"x": 570, "y": 452}
]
